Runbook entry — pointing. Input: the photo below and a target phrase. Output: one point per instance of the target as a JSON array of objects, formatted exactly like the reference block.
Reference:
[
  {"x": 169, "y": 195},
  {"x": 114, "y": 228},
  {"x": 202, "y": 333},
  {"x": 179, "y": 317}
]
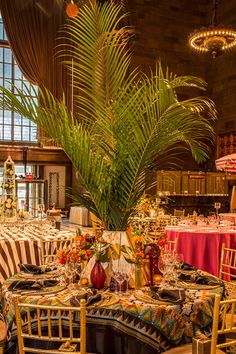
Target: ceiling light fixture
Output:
[{"x": 213, "y": 39}]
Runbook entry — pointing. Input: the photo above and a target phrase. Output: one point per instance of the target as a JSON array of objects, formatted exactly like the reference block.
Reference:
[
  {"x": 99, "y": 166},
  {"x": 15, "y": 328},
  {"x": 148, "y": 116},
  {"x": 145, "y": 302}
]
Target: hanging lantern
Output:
[{"x": 72, "y": 9}]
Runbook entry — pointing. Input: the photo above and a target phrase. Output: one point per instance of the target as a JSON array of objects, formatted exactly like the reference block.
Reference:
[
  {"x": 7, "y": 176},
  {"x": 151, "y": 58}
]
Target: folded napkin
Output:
[
  {"x": 169, "y": 295},
  {"x": 90, "y": 298},
  {"x": 32, "y": 268},
  {"x": 31, "y": 285},
  {"x": 206, "y": 280},
  {"x": 186, "y": 266},
  {"x": 186, "y": 277}
]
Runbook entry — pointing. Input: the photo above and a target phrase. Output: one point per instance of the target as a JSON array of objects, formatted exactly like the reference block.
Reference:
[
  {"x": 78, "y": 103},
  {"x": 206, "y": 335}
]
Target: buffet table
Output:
[
  {"x": 21, "y": 243},
  {"x": 201, "y": 246},
  {"x": 133, "y": 322}
]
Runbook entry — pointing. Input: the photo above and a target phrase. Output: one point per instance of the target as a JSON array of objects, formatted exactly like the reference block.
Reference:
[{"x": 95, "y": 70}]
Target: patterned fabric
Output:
[
  {"x": 20, "y": 243},
  {"x": 159, "y": 326}
]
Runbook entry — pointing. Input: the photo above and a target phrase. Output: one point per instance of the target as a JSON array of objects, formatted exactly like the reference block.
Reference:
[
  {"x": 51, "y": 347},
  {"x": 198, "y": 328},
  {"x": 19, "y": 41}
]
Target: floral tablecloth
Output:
[{"x": 158, "y": 326}]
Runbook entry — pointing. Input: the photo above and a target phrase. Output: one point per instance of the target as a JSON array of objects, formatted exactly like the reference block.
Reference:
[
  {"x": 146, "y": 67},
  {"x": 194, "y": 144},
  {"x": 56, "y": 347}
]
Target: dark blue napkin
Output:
[
  {"x": 32, "y": 268},
  {"x": 168, "y": 295},
  {"x": 31, "y": 284}
]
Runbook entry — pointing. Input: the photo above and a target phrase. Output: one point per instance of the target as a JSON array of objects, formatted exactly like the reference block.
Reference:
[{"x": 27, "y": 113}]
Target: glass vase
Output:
[
  {"x": 139, "y": 279},
  {"x": 98, "y": 275}
]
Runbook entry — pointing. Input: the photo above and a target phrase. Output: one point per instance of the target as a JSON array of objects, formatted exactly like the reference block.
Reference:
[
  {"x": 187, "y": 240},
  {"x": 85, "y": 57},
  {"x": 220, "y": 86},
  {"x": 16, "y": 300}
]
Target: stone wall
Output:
[{"x": 162, "y": 29}]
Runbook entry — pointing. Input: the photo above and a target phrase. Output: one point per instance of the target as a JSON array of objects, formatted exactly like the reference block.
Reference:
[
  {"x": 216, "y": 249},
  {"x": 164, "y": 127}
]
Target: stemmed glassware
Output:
[
  {"x": 122, "y": 280},
  {"x": 70, "y": 272},
  {"x": 169, "y": 264}
]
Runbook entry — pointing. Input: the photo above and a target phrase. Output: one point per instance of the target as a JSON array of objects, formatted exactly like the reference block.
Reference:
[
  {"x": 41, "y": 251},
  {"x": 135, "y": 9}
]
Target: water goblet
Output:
[
  {"x": 120, "y": 278},
  {"x": 70, "y": 273}
]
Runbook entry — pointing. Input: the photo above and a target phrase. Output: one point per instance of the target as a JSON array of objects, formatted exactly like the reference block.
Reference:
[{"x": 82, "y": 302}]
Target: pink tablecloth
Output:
[{"x": 202, "y": 248}]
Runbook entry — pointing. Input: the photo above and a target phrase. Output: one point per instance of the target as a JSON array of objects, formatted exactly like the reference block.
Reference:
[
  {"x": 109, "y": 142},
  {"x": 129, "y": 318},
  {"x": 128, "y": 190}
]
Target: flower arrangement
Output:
[
  {"x": 147, "y": 205},
  {"x": 9, "y": 203},
  {"x": 143, "y": 248},
  {"x": 9, "y": 171},
  {"x": 86, "y": 246},
  {"x": 72, "y": 255},
  {"x": 8, "y": 185}
]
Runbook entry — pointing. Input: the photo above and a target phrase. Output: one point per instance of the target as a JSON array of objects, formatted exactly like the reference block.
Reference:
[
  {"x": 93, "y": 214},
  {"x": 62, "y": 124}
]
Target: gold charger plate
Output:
[
  {"x": 198, "y": 286},
  {"x": 44, "y": 291},
  {"x": 146, "y": 297},
  {"x": 108, "y": 299}
]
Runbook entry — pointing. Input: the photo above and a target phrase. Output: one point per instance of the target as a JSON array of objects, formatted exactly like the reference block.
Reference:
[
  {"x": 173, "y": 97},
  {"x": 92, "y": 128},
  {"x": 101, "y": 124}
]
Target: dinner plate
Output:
[
  {"x": 108, "y": 299},
  {"x": 189, "y": 285},
  {"x": 51, "y": 274},
  {"x": 44, "y": 291},
  {"x": 147, "y": 298}
]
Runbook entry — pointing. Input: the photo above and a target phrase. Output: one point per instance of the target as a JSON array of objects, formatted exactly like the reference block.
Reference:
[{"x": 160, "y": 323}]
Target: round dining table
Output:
[
  {"x": 123, "y": 323},
  {"x": 201, "y": 245}
]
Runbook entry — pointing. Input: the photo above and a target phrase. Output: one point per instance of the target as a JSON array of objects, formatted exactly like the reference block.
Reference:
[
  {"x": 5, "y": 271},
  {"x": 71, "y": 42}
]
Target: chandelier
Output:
[{"x": 213, "y": 39}]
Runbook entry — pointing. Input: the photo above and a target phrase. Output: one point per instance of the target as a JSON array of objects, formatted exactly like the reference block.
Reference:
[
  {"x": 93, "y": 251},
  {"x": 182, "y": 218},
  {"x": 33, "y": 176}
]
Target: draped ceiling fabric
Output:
[{"x": 31, "y": 27}]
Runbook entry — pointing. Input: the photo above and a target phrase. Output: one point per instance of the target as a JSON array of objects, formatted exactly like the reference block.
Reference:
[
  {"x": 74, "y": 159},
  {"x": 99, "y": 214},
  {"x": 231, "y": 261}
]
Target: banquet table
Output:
[
  {"x": 127, "y": 323},
  {"x": 21, "y": 243},
  {"x": 201, "y": 246}
]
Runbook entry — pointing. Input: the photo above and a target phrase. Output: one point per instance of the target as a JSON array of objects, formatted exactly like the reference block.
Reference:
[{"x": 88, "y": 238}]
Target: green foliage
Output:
[{"x": 123, "y": 120}]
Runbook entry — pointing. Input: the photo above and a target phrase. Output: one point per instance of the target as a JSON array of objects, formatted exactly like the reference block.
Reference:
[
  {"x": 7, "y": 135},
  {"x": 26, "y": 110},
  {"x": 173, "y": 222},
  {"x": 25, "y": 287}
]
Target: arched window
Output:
[{"x": 14, "y": 128}]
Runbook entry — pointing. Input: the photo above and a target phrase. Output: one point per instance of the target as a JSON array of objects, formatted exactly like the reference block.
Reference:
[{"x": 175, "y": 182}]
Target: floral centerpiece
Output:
[
  {"x": 84, "y": 247},
  {"x": 144, "y": 251},
  {"x": 9, "y": 203},
  {"x": 8, "y": 199}
]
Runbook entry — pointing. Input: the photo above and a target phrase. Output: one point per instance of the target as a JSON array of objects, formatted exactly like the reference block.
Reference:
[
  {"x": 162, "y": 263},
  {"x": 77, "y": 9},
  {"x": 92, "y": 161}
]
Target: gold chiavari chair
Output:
[
  {"x": 49, "y": 248},
  {"x": 3, "y": 334},
  {"x": 227, "y": 270},
  {"x": 43, "y": 324},
  {"x": 222, "y": 325}
]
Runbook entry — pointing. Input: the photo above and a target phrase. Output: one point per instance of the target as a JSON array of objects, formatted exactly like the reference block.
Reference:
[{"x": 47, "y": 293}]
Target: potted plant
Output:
[{"x": 123, "y": 120}]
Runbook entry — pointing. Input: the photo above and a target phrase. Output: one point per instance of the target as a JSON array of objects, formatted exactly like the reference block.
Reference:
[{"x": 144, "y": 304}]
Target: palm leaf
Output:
[{"x": 123, "y": 121}]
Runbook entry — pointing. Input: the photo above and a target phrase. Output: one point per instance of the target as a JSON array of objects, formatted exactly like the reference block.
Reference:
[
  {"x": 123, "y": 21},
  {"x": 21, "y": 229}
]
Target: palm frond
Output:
[{"x": 124, "y": 121}]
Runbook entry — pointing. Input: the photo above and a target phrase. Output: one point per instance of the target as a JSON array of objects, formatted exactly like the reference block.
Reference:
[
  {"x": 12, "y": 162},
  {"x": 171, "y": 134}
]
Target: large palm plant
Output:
[{"x": 123, "y": 120}]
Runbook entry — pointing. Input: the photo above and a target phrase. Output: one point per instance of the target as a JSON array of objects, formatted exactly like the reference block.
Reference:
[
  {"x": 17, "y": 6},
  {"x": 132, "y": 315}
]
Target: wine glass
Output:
[
  {"x": 179, "y": 261},
  {"x": 70, "y": 272},
  {"x": 120, "y": 278}
]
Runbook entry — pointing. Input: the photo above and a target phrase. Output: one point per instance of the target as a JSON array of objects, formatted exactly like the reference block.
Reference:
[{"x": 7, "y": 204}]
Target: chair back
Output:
[
  {"x": 227, "y": 264},
  {"x": 49, "y": 248},
  {"x": 44, "y": 323},
  {"x": 223, "y": 324},
  {"x": 179, "y": 212}
]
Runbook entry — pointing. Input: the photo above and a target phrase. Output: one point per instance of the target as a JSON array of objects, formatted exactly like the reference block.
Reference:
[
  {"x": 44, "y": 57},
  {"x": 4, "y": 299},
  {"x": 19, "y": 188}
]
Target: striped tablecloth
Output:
[{"x": 20, "y": 243}]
